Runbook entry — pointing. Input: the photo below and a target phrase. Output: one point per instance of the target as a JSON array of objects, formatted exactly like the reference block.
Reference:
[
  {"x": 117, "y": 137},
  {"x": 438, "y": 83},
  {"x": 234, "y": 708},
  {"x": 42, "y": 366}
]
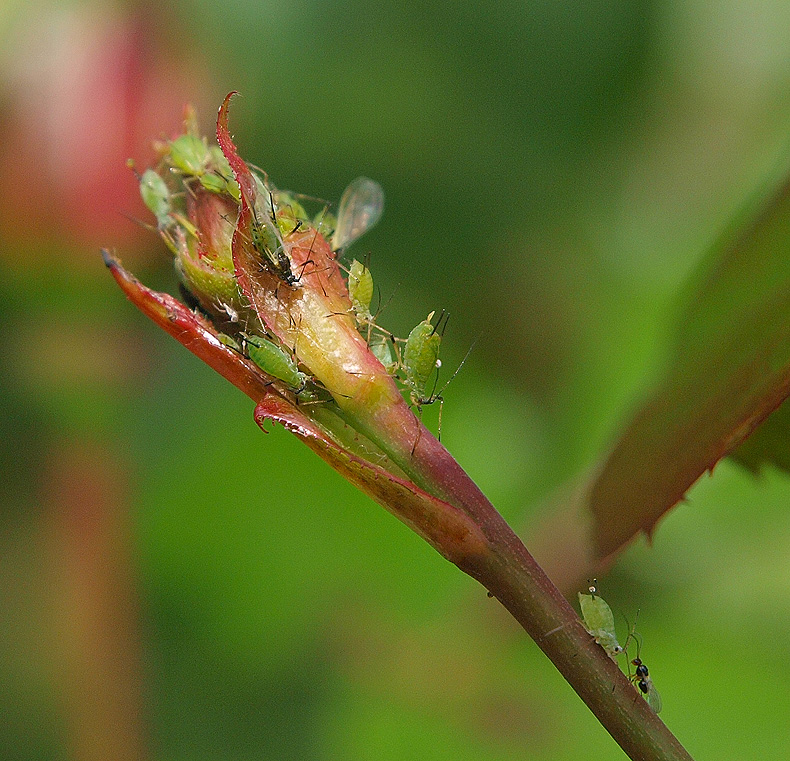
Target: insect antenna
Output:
[
  {"x": 434, "y": 397},
  {"x": 136, "y": 220},
  {"x": 632, "y": 635},
  {"x": 457, "y": 369}
]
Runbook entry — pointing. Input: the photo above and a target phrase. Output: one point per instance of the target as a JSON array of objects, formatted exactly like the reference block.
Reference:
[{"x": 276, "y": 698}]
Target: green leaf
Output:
[{"x": 729, "y": 369}]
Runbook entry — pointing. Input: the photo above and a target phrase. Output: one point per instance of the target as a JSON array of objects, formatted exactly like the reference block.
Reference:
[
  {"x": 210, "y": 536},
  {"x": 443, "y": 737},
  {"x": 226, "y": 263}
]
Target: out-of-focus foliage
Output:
[
  {"x": 552, "y": 174},
  {"x": 730, "y": 369},
  {"x": 769, "y": 444}
]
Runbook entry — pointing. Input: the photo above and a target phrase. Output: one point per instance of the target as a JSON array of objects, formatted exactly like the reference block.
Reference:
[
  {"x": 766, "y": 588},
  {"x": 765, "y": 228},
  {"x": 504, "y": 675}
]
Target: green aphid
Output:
[
  {"x": 275, "y": 362},
  {"x": 272, "y": 249},
  {"x": 229, "y": 341},
  {"x": 220, "y": 166},
  {"x": 214, "y": 183},
  {"x": 266, "y": 237},
  {"x": 599, "y": 621},
  {"x": 325, "y": 223},
  {"x": 190, "y": 154},
  {"x": 156, "y": 196},
  {"x": 290, "y": 212},
  {"x": 381, "y": 347},
  {"x": 421, "y": 359},
  {"x": 360, "y": 290}
]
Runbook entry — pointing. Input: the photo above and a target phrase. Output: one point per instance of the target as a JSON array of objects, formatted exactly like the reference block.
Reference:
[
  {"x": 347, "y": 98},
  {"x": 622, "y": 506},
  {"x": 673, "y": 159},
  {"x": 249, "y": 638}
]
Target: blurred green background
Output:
[{"x": 177, "y": 585}]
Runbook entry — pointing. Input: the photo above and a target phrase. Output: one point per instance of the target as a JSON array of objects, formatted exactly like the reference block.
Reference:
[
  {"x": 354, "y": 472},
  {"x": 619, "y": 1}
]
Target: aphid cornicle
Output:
[
  {"x": 599, "y": 621},
  {"x": 275, "y": 362},
  {"x": 360, "y": 209}
]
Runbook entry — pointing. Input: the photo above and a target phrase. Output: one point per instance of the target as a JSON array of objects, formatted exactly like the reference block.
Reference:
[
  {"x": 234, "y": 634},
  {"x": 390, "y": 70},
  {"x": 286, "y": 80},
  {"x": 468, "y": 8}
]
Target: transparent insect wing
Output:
[
  {"x": 653, "y": 698},
  {"x": 360, "y": 209}
]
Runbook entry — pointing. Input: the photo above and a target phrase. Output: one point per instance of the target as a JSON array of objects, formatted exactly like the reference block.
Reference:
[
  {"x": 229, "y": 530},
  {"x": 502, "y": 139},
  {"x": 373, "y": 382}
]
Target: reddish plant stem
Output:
[
  {"x": 502, "y": 565},
  {"x": 511, "y": 574}
]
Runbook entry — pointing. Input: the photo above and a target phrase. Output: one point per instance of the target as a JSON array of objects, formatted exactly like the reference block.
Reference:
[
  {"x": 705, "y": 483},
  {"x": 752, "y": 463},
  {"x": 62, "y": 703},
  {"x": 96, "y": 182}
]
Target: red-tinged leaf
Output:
[
  {"x": 730, "y": 369},
  {"x": 190, "y": 329},
  {"x": 446, "y": 528},
  {"x": 246, "y": 259},
  {"x": 279, "y": 305},
  {"x": 312, "y": 316},
  {"x": 240, "y": 169},
  {"x": 769, "y": 444}
]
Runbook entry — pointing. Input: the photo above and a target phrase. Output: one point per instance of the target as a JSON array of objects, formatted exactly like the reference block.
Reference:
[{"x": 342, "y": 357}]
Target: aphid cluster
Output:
[
  {"x": 413, "y": 360},
  {"x": 192, "y": 175},
  {"x": 599, "y": 621}
]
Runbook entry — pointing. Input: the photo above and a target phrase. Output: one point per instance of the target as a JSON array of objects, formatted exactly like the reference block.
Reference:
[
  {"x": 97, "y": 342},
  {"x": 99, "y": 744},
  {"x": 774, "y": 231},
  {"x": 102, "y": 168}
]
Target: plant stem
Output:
[
  {"x": 499, "y": 560},
  {"x": 513, "y": 576}
]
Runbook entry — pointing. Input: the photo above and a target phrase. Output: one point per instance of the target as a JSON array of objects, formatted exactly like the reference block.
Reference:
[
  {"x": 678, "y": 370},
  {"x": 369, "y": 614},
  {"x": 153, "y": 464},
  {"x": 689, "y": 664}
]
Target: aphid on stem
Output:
[
  {"x": 420, "y": 359},
  {"x": 599, "y": 621},
  {"x": 360, "y": 292},
  {"x": 275, "y": 362}
]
